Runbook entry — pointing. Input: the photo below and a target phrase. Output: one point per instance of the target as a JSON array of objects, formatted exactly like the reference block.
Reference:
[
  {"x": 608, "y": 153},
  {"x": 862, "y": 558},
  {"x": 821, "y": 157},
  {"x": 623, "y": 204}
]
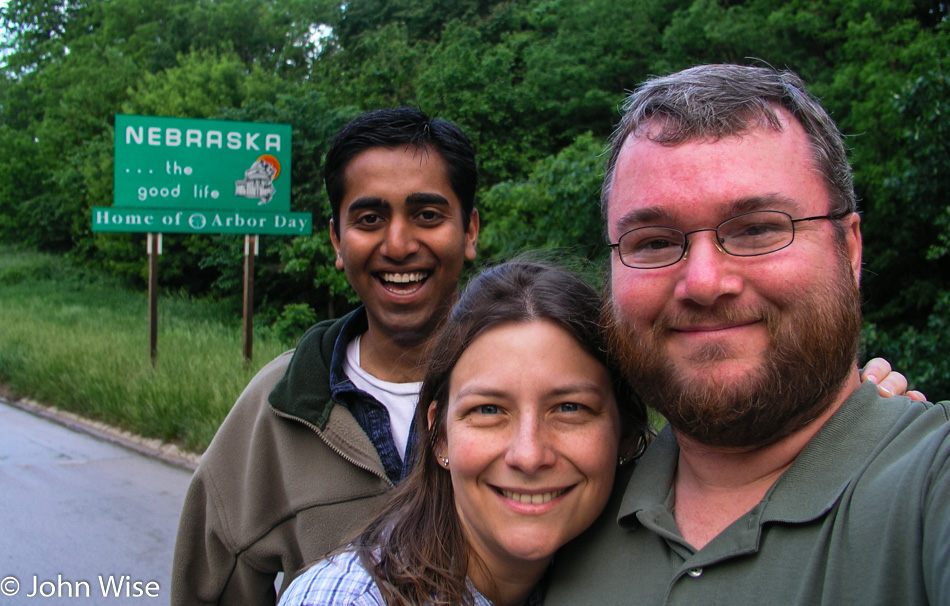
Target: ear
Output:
[
  {"x": 853, "y": 238},
  {"x": 439, "y": 447},
  {"x": 629, "y": 445},
  {"x": 335, "y": 241},
  {"x": 471, "y": 236}
]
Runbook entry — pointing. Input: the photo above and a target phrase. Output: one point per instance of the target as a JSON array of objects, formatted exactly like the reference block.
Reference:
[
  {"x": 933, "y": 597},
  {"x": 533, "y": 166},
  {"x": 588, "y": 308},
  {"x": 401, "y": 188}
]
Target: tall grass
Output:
[{"x": 74, "y": 339}]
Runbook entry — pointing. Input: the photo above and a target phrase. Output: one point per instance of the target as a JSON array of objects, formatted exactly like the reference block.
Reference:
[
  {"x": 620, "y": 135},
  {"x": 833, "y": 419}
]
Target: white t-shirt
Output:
[{"x": 400, "y": 399}]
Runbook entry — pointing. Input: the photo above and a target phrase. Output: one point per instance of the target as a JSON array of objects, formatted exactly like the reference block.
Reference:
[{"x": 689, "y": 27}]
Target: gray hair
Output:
[{"x": 715, "y": 101}]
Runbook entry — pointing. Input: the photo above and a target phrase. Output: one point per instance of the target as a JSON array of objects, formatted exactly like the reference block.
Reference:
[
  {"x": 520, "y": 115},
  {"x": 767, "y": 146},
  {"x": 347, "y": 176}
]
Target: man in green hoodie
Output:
[{"x": 320, "y": 435}]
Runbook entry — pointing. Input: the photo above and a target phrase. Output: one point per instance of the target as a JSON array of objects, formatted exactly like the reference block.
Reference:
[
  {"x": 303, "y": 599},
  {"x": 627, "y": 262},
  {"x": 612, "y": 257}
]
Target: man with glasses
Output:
[{"x": 735, "y": 309}]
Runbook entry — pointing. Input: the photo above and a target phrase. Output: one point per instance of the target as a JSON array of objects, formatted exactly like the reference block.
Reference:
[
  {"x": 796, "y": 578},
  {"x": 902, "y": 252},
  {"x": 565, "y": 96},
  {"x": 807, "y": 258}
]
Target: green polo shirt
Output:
[{"x": 861, "y": 517}]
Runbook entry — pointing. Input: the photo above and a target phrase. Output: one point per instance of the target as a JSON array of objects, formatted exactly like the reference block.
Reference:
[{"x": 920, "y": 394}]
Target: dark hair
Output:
[
  {"x": 399, "y": 127},
  {"x": 415, "y": 549},
  {"x": 715, "y": 101}
]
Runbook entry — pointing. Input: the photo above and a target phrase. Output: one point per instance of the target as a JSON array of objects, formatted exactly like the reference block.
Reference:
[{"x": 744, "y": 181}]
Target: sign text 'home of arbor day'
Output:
[{"x": 159, "y": 220}]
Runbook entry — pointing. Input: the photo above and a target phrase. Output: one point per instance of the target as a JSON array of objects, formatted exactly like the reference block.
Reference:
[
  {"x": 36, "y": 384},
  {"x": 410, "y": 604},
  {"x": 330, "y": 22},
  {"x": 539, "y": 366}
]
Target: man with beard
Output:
[{"x": 735, "y": 310}]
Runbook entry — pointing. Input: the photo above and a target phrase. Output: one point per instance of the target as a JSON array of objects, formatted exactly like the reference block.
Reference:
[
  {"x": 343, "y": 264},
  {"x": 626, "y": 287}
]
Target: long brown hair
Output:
[{"x": 415, "y": 549}]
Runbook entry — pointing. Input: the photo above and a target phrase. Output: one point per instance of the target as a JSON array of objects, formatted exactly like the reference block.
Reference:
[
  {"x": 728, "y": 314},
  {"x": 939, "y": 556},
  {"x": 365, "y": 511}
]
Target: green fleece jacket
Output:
[{"x": 284, "y": 482}]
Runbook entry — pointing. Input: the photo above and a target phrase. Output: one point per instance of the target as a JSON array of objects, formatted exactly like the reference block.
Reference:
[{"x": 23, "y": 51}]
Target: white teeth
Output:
[
  {"x": 532, "y": 499},
  {"x": 404, "y": 278}
]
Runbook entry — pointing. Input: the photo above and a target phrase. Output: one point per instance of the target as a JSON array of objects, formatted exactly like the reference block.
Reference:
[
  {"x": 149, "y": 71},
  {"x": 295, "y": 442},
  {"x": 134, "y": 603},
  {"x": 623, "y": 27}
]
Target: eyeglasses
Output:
[{"x": 748, "y": 235}]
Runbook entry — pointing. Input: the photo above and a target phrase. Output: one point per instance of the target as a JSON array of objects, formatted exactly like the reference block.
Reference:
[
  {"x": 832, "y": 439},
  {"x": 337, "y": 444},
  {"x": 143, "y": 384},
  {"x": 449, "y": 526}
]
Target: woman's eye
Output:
[
  {"x": 487, "y": 409},
  {"x": 569, "y": 407}
]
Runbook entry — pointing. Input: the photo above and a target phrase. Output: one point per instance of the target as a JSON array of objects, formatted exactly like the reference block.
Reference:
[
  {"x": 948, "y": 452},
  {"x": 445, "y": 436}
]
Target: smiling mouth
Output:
[
  {"x": 402, "y": 283},
  {"x": 712, "y": 328},
  {"x": 532, "y": 499}
]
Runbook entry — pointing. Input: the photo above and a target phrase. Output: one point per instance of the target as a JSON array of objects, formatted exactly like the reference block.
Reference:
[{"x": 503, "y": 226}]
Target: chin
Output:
[
  {"x": 717, "y": 373},
  {"x": 532, "y": 553}
]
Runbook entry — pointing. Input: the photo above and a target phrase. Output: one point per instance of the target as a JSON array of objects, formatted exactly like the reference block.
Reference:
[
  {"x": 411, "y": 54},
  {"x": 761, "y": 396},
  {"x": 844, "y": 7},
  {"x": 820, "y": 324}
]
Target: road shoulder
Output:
[{"x": 163, "y": 451}]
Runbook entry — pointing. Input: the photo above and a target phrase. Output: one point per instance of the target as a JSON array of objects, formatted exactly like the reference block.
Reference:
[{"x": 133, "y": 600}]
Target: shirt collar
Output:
[
  {"x": 805, "y": 492},
  {"x": 355, "y": 325}
]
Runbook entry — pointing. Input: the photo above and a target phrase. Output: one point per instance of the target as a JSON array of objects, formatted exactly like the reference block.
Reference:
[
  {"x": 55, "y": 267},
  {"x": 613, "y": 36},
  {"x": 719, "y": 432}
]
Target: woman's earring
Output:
[
  {"x": 445, "y": 461},
  {"x": 622, "y": 461}
]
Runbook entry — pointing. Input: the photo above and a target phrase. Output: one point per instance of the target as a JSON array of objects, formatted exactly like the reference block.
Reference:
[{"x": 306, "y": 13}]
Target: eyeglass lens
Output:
[{"x": 750, "y": 234}]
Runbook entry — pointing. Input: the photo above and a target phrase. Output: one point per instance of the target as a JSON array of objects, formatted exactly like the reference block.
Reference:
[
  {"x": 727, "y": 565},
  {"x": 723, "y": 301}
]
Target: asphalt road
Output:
[{"x": 82, "y": 521}]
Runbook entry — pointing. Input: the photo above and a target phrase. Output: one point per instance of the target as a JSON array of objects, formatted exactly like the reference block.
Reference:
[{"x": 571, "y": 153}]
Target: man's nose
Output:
[
  {"x": 708, "y": 272},
  {"x": 401, "y": 240}
]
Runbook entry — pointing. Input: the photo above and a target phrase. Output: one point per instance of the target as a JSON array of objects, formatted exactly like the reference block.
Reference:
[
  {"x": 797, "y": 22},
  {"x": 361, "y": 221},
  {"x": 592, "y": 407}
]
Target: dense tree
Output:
[{"x": 536, "y": 84}]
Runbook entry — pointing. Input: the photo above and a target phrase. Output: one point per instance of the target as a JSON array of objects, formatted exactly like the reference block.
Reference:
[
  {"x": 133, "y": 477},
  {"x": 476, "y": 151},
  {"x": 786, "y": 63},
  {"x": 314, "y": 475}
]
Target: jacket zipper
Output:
[{"x": 332, "y": 447}]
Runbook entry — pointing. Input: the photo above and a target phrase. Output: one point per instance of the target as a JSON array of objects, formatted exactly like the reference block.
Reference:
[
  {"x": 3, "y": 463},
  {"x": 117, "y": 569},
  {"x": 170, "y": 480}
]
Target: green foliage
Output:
[
  {"x": 907, "y": 225},
  {"x": 201, "y": 85},
  {"x": 43, "y": 29},
  {"x": 378, "y": 69},
  {"x": 102, "y": 370},
  {"x": 293, "y": 322},
  {"x": 923, "y": 184},
  {"x": 535, "y": 83},
  {"x": 557, "y": 206},
  {"x": 923, "y": 355},
  {"x": 423, "y": 19}
]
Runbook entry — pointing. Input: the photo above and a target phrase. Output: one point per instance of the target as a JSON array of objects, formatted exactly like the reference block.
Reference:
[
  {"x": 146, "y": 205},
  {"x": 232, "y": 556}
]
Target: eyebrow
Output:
[
  {"x": 426, "y": 199},
  {"x": 367, "y": 202},
  {"x": 415, "y": 199},
  {"x": 562, "y": 390},
  {"x": 663, "y": 215},
  {"x": 765, "y": 202}
]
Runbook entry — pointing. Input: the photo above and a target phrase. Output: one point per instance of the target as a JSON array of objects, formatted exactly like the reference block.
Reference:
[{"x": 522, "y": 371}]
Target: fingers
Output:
[
  {"x": 875, "y": 370},
  {"x": 889, "y": 383},
  {"x": 894, "y": 384}
]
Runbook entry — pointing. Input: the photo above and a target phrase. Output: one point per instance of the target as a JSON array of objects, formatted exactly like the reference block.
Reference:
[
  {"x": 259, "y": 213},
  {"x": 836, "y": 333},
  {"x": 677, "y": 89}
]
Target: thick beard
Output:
[{"x": 813, "y": 346}]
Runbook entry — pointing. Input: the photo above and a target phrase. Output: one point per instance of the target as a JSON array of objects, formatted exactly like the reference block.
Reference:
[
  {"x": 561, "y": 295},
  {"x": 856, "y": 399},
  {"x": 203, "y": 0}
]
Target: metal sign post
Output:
[
  {"x": 154, "y": 248},
  {"x": 250, "y": 251}
]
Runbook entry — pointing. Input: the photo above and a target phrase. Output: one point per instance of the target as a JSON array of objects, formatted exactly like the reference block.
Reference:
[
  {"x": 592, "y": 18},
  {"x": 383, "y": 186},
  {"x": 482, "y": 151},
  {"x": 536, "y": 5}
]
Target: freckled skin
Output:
[{"x": 531, "y": 413}]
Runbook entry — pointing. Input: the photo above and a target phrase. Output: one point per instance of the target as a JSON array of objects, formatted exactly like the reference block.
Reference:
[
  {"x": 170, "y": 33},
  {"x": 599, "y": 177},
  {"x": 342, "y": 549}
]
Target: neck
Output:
[
  {"x": 716, "y": 486},
  {"x": 392, "y": 360},
  {"x": 507, "y": 585}
]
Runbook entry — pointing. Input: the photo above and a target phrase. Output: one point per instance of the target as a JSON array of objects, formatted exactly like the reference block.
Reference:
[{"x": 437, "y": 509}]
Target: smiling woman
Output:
[
  {"x": 517, "y": 453},
  {"x": 531, "y": 447}
]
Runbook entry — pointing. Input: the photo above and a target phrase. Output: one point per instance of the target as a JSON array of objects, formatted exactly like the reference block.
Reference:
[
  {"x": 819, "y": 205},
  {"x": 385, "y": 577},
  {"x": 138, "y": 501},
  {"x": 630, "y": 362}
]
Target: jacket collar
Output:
[{"x": 305, "y": 389}]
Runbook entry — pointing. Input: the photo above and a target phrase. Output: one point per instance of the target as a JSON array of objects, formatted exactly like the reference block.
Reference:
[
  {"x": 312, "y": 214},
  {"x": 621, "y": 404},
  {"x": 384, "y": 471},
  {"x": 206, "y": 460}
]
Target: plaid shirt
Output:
[{"x": 342, "y": 581}]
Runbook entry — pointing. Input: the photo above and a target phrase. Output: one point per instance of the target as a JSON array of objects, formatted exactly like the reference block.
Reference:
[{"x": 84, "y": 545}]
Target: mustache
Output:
[{"x": 726, "y": 314}]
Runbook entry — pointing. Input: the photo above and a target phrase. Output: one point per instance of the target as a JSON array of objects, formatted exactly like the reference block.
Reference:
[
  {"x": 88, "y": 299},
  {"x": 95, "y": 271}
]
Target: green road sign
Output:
[
  {"x": 182, "y": 163},
  {"x": 198, "y": 221}
]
